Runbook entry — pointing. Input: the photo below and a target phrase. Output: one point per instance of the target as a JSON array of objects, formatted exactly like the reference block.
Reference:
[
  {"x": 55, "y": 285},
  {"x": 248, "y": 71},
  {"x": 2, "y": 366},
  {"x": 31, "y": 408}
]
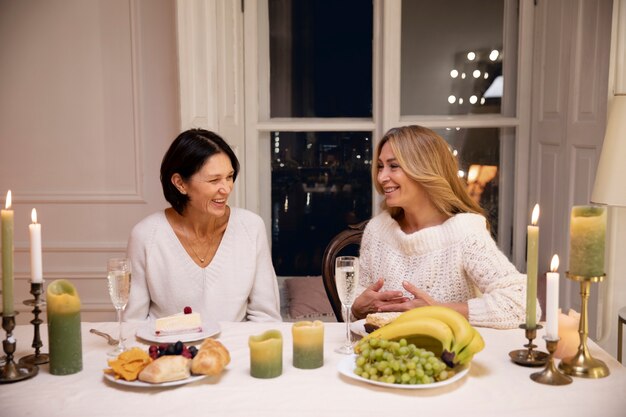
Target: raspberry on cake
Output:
[{"x": 180, "y": 323}]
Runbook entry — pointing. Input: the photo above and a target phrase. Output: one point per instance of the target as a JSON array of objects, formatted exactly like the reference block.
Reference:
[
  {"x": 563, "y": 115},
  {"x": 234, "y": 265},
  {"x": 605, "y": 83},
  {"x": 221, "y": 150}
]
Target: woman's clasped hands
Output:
[{"x": 373, "y": 300}]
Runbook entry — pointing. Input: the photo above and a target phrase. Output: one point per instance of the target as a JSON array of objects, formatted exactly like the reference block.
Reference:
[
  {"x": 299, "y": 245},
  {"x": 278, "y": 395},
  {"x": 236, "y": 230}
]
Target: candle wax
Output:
[
  {"x": 7, "y": 262},
  {"x": 36, "y": 273},
  {"x": 587, "y": 238},
  {"x": 266, "y": 354},
  {"x": 308, "y": 344},
  {"x": 552, "y": 305},
  {"x": 532, "y": 255},
  {"x": 64, "y": 336}
]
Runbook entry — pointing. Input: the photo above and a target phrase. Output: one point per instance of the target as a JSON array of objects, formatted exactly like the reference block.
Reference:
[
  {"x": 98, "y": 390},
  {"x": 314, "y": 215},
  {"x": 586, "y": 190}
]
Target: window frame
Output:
[{"x": 514, "y": 118}]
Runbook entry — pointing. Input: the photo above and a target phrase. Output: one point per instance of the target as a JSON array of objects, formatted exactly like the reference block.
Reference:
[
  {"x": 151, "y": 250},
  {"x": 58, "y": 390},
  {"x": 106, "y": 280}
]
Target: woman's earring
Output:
[{"x": 182, "y": 191}]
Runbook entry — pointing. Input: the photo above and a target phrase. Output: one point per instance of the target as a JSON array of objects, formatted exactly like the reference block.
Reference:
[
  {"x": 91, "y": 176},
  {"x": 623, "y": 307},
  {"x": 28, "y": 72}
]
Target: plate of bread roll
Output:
[{"x": 135, "y": 367}]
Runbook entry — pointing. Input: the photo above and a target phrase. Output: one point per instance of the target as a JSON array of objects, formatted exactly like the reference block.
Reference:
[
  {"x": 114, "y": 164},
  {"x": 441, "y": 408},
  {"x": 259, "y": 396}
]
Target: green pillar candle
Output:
[
  {"x": 266, "y": 354},
  {"x": 64, "y": 338},
  {"x": 587, "y": 236},
  {"x": 308, "y": 344}
]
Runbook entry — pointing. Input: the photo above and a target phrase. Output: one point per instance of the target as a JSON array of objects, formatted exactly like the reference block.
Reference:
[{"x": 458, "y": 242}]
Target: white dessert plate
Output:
[
  {"x": 141, "y": 384},
  {"x": 358, "y": 327},
  {"x": 146, "y": 332},
  {"x": 346, "y": 367}
]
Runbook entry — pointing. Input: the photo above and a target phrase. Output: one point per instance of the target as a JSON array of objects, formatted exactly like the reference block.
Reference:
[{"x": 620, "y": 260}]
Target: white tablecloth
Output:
[{"x": 494, "y": 386}]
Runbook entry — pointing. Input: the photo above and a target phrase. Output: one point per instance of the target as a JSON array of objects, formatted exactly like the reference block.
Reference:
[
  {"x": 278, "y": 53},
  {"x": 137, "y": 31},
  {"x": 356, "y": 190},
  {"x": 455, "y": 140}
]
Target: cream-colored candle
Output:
[
  {"x": 532, "y": 255},
  {"x": 7, "y": 257},
  {"x": 552, "y": 300},
  {"x": 34, "y": 229},
  {"x": 308, "y": 344},
  {"x": 587, "y": 237},
  {"x": 266, "y": 354}
]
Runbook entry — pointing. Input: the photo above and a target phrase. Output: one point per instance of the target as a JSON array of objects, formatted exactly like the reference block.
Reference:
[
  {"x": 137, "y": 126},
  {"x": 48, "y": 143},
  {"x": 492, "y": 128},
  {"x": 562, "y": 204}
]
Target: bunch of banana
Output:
[{"x": 439, "y": 329}]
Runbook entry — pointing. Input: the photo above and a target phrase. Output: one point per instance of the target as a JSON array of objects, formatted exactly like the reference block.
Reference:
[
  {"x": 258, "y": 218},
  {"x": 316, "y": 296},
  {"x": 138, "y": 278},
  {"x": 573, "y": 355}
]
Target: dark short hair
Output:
[{"x": 186, "y": 156}]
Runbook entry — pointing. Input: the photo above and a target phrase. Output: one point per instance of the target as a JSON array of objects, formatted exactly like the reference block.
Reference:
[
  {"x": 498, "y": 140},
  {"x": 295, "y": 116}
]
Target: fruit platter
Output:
[{"x": 424, "y": 347}]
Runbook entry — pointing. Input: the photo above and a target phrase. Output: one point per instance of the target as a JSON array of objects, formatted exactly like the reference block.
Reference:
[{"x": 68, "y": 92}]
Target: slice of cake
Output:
[
  {"x": 375, "y": 321},
  {"x": 181, "y": 323}
]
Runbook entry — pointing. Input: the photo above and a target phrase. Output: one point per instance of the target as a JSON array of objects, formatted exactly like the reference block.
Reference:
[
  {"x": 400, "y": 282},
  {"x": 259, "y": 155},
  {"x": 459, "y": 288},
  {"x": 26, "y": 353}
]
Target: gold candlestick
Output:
[
  {"x": 36, "y": 289},
  {"x": 12, "y": 372},
  {"x": 551, "y": 375},
  {"x": 529, "y": 356},
  {"x": 582, "y": 363}
]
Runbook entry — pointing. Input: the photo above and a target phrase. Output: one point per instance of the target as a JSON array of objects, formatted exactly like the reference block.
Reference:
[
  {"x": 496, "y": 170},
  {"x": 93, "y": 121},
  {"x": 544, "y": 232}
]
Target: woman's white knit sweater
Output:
[
  {"x": 457, "y": 261},
  {"x": 239, "y": 283}
]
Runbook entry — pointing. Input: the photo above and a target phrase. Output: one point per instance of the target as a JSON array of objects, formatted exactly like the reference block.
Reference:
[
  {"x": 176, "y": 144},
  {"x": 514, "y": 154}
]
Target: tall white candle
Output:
[
  {"x": 552, "y": 300},
  {"x": 7, "y": 257},
  {"x": 36, "y": 271}
]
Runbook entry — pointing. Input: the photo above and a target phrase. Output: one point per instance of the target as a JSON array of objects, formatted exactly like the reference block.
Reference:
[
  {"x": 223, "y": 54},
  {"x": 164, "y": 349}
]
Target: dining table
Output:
[{"x": 493, "y": 385}]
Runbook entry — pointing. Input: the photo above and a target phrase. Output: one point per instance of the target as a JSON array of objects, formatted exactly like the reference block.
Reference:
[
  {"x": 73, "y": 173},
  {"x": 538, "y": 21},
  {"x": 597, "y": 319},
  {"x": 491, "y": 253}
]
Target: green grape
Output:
[{"x": 398, "y": 362}]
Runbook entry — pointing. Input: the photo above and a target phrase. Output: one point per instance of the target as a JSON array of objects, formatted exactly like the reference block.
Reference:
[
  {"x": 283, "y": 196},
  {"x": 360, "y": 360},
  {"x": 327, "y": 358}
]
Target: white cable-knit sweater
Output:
[
  {"x": 457, "y": 261},
  {"x": 239, "y": 283}
]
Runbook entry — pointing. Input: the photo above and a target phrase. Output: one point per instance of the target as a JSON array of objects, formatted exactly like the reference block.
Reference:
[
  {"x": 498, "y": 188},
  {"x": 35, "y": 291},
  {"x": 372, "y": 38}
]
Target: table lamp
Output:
[{"x": 609, "y": 187}]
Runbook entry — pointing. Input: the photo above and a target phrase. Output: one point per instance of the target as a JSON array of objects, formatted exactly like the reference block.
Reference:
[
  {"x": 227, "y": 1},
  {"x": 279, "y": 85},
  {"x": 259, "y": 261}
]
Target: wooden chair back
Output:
[{"x": 349, "y": 239}]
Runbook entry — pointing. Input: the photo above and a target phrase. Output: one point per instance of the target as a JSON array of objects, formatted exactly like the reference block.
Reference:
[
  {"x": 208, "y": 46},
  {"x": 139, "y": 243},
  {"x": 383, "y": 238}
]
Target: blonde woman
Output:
[{"x": 431, "y": 244}]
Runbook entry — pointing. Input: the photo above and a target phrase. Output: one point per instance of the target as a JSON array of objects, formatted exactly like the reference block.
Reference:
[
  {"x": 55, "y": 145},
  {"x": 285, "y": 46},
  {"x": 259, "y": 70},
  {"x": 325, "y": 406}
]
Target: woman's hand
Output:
[
  {"x": 420, "y": 299},
  {"x": 372, "y": 300}
]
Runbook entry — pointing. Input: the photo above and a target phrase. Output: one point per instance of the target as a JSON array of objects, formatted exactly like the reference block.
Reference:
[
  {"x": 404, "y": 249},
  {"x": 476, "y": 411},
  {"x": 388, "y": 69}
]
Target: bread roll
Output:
[
  {"x": 211, "y": 358},
  {"x": 165, "y": 369},
  {"x": 213, "y": 344}
]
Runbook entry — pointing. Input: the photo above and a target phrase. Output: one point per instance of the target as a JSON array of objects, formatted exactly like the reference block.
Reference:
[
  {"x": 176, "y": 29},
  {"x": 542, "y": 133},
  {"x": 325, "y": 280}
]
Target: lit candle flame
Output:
[
  {"x": 535, "y": 215},
  {"x": 33, "y": 215},
  {"x": 554, "y": 265},
  {"x": 7, "y": 204}
]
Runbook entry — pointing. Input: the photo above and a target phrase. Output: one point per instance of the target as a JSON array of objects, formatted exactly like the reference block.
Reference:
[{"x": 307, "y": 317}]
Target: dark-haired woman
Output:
[{"x": 201, "y": 252}]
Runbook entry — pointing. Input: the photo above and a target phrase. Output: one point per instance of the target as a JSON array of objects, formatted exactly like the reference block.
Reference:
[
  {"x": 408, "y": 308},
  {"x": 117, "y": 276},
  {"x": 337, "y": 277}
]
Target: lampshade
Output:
[{"x": 610, "y": 184}]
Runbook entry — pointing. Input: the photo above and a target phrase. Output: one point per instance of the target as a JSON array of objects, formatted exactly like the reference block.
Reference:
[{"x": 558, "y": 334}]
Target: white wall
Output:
[{"x": 88, "y": 106}]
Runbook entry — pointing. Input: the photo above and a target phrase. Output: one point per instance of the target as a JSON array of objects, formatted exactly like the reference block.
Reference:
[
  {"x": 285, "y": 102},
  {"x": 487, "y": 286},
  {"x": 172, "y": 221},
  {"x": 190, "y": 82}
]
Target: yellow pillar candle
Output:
[
  {"x": 266, "y": 354},
  {"x": 64, "y": 336},
  {"x": 7, "y": 257},
  {"x": 308, "y": 344},
  {"x": 587, "y": 236},
  {"x": 532, "y": 255}
]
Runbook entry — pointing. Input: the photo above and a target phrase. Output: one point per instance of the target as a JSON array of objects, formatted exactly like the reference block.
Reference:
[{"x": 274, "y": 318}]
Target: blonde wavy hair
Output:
[{"x": 426, "y": 158}]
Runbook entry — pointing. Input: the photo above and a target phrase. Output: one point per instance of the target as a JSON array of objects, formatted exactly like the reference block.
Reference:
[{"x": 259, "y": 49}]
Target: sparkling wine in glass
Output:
[
  {"x": 346, "y": 280},
  {"x": 118, "y": 276}
]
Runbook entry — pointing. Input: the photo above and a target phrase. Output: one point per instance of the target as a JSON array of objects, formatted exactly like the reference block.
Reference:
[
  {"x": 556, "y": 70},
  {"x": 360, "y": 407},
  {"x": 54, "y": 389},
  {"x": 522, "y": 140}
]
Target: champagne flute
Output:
[
  {"x": 346, "y": 279},
  {"x": 118, "y": 276}
]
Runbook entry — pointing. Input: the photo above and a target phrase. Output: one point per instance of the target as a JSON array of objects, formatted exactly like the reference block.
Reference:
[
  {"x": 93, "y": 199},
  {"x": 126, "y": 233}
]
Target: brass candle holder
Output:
[
  {"x": 12, "y": 372},
  {"x": 582, "y": 363},
  {"x": 38, "y": 358},
  {"x": 550, "y": 374},
  {"x": 529, "y": 356}
]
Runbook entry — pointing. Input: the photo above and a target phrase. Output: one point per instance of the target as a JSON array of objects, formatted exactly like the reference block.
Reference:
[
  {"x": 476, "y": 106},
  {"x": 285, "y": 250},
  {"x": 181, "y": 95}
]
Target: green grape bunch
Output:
[{"x": 398, "y": 362}]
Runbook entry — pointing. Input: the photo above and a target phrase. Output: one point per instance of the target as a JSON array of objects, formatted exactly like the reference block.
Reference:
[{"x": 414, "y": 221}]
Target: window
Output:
[{"x": 329, "y": 78}]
